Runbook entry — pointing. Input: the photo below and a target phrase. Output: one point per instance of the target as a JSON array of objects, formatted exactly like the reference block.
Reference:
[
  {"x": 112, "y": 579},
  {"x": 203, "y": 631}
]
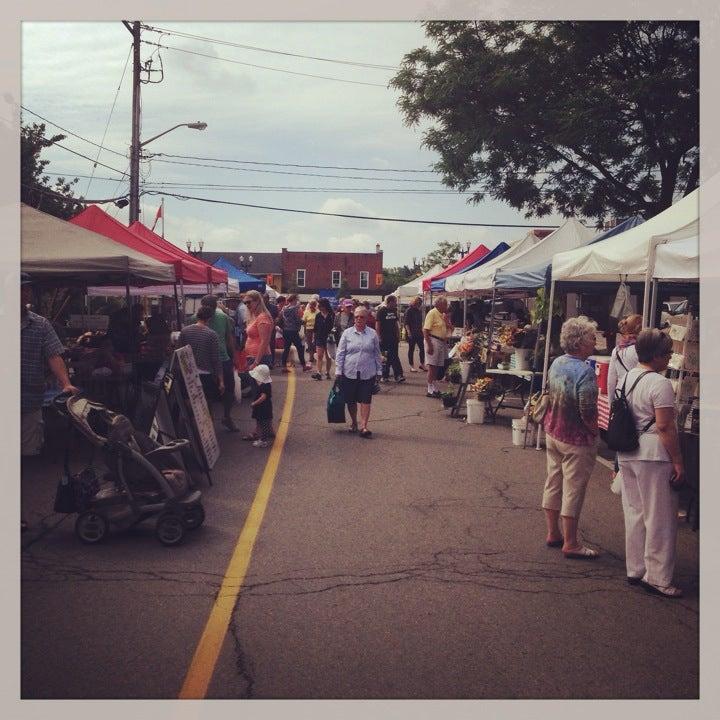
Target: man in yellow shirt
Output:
[
  {"x": 308, "y": 320},
  {"x": 436, "y": 330}
]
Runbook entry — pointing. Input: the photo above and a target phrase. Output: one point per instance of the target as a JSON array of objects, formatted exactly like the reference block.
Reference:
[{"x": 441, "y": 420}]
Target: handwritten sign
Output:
[{"x": 198, "y": 405}]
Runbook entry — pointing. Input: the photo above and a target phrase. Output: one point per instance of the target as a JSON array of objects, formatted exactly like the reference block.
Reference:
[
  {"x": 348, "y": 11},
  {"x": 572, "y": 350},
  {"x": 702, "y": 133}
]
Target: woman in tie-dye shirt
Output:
[{"x": 571, "y": 436}]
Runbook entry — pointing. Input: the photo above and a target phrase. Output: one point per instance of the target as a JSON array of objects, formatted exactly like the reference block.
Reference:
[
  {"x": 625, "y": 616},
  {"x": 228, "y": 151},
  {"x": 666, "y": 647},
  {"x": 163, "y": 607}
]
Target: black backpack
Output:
[{"x": 622, "y": 434}]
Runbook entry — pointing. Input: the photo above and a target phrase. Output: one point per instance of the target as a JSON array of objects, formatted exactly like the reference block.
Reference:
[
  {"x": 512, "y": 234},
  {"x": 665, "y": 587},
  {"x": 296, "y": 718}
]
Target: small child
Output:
[{"x": 262, "y": 405}]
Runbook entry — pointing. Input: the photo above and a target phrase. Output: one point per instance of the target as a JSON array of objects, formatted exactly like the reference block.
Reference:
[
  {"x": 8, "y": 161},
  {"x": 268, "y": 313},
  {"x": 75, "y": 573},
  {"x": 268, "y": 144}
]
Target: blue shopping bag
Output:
[{"x": 336, "y": 405}]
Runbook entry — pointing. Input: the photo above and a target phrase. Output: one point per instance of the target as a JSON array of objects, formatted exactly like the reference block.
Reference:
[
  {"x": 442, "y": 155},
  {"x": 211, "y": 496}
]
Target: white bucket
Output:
[
  {"x": 465, "y": 366},
  {"x": 475, "y": 411},
  {"x": 522, "y": 358},
  {"x": 518, "y": 432}
]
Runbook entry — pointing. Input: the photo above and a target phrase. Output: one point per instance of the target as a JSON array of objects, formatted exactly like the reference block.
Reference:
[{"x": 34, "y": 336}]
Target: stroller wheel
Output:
[
  {"x": 91, "y": 527},
  {"x": 169, "y": 529},
  {"x": 194, "y": 517}
]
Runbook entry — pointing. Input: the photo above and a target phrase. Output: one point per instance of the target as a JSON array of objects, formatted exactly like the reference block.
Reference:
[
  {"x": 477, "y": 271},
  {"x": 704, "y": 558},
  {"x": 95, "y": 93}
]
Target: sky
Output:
[{"x": 77, "y": 76}]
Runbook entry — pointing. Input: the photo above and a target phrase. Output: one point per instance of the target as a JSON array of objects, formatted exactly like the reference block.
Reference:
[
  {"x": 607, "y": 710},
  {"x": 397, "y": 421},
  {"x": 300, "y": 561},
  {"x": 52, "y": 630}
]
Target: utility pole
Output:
[{"x": 134, "y": 30}]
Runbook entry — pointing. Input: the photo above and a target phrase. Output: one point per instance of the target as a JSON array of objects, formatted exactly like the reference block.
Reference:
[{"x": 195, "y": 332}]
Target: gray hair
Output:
[
  {"x": 439, "y": 300},
  {"x": 575, "y": 332},
  {"x": 361, "y": 310}
]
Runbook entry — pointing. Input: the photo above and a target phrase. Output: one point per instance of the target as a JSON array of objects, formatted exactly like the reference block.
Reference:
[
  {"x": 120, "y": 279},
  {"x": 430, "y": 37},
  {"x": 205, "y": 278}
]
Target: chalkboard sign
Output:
[{"x": 197, "y": 405}]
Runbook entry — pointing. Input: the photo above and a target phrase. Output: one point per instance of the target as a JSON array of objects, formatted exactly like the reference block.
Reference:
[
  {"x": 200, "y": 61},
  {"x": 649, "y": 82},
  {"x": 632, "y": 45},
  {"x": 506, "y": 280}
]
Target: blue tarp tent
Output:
[
  {"x": 535, "y": 277},
  {"x": 499, "y": 249},
  {"x": 245, "y": 280}
]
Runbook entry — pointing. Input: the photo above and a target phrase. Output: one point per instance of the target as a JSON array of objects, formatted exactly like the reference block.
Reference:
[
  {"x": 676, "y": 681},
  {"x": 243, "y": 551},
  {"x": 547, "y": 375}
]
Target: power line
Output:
[
  {"x": 288, "y": 172},
  {"x": 344, "y": 215},
  {"x": 297, "y": 165},
  {"x": 69, "y": 132},
  {"x": 266, "y": 50},
  {"x": 74, "y": 152},
  {"x": 263, "y": 67}
]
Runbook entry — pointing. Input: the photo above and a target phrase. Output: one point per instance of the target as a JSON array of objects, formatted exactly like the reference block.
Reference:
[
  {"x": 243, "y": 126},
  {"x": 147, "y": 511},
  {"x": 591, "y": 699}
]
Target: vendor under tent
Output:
[
  {"x": 97, "y": 220},
  {"x": 535, "y": 276},
  {"x": 245, "y": 280},
  {"x": 414, "y": 288},
  {"x": 215, "y": 275},
  {"x": 54, "y": 248}
]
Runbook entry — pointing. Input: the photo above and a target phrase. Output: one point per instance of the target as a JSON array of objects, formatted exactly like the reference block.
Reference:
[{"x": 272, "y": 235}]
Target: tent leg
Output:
[
  {"x": 464, "y": 309},
  {"x": 182, "y": 304},
  {"x": 490, "y": 327},
  {"x": 177, "y": 307},
  {"x": 546, "y": 362},
  {"x": 653, "y": 304}
]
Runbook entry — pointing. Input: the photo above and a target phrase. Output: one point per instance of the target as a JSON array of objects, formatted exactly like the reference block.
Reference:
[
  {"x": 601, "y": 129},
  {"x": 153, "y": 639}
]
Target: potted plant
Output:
[
  {"x": 524, "y": 340},
  {"x": 448, "y": 398},
  {"x": 468, "y": 349},
  {"x": 453, "y": 373}
]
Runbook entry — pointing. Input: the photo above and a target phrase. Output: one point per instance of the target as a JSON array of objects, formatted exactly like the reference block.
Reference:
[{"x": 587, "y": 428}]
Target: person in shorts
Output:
[
  {"x": 436, "y": 330},
  {"x": 358, "y": 363}
]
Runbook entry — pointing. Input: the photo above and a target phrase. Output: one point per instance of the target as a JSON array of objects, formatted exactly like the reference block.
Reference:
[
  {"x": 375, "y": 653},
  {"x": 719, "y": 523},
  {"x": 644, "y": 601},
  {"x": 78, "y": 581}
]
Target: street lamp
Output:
[
  {"x": 245, "y": 264},
  {"x": 135, "y": 149},
  {"x": 464, "y": 251},
  {"x": 194, "y": 251}
]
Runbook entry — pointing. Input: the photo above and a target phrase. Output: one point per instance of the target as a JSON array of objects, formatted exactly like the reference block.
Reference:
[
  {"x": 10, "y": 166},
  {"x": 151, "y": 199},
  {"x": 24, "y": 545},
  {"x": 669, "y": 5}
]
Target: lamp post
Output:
[
  {"x": 465, "y": 250},
  {"x": 245, "y": 264},
  {"x": 197, "y": 250},
  {"x": 135, "y": 149}
]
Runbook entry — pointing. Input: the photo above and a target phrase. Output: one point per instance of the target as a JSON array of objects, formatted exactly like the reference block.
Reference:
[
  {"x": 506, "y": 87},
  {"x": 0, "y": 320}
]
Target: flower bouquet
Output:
[{"x": 484, "y": 388}]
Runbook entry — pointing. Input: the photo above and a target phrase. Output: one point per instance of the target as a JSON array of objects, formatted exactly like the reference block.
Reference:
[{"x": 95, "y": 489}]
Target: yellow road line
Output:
[{"x": 207, "y": 652}]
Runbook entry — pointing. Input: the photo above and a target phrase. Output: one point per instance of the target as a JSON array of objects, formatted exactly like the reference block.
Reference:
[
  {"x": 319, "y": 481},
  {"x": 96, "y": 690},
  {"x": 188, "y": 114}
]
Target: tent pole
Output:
[
  {"x": 464, "y": 309},
  {"x": 653, "y": 303},
  {"x": 654, "y": 242},
  {"x": 490, "y": 327},
  {"x": 182, "y": 304},
  {"x": 546, "y": 361},
  {"x": 177, "y": 307},
  {"x": 129, "y": 314}
]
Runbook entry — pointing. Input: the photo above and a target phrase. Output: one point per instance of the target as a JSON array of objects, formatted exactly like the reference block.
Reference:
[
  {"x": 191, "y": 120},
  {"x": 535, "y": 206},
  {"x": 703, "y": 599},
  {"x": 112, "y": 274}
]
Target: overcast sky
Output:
[{"x": 77, "y": 75}]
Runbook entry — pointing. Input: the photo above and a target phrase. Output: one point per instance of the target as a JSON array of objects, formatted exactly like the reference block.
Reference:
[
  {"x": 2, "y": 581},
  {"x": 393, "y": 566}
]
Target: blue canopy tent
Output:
[
  {"x": 499, "y": 249},
  {"x": 537, "y": 275},
  {"x": 245, "y": 280}
]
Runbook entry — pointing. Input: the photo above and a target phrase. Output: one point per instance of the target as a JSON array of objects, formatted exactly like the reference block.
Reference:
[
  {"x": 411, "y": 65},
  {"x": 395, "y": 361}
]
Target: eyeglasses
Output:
[{"x": 360, "y": 317}]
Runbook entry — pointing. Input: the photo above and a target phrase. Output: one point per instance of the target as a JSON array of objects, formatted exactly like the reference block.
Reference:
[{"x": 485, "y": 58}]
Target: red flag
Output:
[{"x": 158, "y": 215}]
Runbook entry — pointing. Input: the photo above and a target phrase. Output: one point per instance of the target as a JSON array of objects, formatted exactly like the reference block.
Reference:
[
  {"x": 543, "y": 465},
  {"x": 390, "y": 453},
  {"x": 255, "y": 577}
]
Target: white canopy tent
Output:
[
  {"x": 54, "y": 248},
  {"x": 414, "y": 287},
  {"x": 160, "y": 290},
  {"x": 531, "y": 250}
]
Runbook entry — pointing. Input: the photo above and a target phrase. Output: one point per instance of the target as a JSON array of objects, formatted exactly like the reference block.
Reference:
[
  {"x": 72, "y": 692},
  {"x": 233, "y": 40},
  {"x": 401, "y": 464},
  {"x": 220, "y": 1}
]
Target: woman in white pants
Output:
[{"x": 652, "y": 473}]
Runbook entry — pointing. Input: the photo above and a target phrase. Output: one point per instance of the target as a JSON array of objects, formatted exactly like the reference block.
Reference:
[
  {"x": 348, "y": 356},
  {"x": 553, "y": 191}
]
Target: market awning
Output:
[
  {"x": 414, "y": 287},
  {"x": 215, "y": 275},
  {"x": 245, "y": 280},
  {"x": 625, "y": 256},
  {"x": 472, "y": 259},
  {"x": 54, "y": 248},
  {"x": 530, "y": 277},
  {"x": 97, "y": 220}
]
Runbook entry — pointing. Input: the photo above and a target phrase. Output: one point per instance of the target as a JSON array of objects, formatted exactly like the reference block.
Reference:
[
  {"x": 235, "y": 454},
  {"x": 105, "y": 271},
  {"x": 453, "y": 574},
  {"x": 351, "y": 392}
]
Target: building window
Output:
[
  {"x": 336, "y": 279},
  {"x": 364, "y": 279},
  {"x": 300, "y": 278}
]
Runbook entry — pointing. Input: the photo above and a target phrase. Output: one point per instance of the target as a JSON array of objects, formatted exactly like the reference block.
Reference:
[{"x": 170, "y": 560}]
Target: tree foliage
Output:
[
  {"x": 446, "y": 253},
  {"x": 36, "y": 190},
  {"x": 394, "y": 277},
  {"x": 580, "y": 118}
]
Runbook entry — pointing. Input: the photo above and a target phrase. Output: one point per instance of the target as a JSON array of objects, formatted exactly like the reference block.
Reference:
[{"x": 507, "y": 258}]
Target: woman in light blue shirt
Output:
[{"x": 357, "y": 365}]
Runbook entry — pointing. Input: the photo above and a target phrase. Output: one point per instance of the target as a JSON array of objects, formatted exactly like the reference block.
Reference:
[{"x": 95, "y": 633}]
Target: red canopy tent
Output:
[
  {"x": 475, "y": 256},
  {"x": 216, "y": 274},
  {"x": 97, "y": 220}
]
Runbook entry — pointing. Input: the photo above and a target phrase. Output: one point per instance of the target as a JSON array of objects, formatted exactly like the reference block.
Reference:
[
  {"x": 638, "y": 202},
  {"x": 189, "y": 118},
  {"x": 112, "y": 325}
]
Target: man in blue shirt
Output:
[{"x": 357, "y": 364}]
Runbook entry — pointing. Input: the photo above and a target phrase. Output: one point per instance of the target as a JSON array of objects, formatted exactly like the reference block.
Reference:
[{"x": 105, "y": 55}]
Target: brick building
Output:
[
  {"x": 265, "y": 265},
  {"x": 357, "y": 274}
]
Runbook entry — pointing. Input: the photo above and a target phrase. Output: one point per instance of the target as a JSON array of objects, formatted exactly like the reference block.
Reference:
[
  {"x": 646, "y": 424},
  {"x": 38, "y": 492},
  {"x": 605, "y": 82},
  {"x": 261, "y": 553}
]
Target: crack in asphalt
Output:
[{"x": 243, "y": 664}]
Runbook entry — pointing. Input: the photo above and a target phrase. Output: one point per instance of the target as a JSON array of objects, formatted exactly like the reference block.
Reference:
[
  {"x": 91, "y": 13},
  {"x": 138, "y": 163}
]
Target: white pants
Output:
[{"x": 650, "y": 508}]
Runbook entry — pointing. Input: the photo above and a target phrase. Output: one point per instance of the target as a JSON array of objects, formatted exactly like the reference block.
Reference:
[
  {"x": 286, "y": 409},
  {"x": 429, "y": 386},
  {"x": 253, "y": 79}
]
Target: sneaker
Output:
[
  {"x": 384, "y": 380},
  {"x": 412, "y": 369},
  {"x": 400, "y": 379},
  {"x": 327, "y": 376},
  {"x": 316, "y": 376},
  {"x": 307, "y": 367},
  {"x": 230, "y": 425},
  {"x": 260, "y": 443},
  {"x": 423, "y": 368}
]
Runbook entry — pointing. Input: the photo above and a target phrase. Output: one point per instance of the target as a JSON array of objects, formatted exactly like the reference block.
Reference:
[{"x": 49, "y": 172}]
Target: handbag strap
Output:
[
  {"x": 619, "y": 359},
  {"x": 624, "y": 394}
]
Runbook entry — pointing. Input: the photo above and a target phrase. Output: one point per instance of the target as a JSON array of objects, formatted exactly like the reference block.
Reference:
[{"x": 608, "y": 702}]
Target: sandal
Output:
[
  {"x": 668, "y": 591},
  {"x": 365, "y": 434},
  {"x": 353, "y": 429},
  {"x": 583, "y": 553},
  {"x": 555, "y": 543}
]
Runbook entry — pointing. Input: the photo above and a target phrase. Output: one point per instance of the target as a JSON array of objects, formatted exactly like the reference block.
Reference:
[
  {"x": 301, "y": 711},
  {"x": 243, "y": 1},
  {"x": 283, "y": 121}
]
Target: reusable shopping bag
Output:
[{"x": 336, "y": 405}]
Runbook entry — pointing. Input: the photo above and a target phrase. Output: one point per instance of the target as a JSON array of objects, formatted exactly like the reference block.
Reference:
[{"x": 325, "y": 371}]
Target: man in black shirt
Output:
[
  {"x": 387, "y": 327},
  {"x": 413, "y": 328}
]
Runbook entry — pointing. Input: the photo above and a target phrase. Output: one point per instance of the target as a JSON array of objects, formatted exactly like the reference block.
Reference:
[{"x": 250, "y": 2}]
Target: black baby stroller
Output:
[{"x": 142, "y": 481}]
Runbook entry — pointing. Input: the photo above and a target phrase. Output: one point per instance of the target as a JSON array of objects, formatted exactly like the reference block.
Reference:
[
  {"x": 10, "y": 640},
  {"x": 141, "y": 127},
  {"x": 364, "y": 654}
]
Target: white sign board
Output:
[{"x": 198, "y": 405}]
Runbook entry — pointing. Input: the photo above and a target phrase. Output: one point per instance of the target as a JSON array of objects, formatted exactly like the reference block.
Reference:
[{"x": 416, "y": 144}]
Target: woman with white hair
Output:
[{"x": 571, "y": 436}]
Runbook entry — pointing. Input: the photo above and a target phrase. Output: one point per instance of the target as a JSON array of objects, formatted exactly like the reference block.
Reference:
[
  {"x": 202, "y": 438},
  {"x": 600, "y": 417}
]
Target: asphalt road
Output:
[{"x": 411, "y": 565}]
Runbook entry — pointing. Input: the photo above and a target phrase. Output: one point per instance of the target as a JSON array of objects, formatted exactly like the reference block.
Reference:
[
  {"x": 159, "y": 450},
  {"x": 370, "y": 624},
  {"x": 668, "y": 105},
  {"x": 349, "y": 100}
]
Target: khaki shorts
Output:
[
  {"x": 568, "y": 471},
  {"x": 439, "y": 354},
  {"x": 32, "y": 433}
]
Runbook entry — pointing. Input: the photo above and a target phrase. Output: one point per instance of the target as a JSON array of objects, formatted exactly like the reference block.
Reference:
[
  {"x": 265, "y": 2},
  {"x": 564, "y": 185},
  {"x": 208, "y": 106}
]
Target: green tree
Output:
[
  {"x": 36, "y": 190},
  {"x": 394, "y": 277},
  {"x": 579, "y": 118},
  {"x": 446, "y": 253}
]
